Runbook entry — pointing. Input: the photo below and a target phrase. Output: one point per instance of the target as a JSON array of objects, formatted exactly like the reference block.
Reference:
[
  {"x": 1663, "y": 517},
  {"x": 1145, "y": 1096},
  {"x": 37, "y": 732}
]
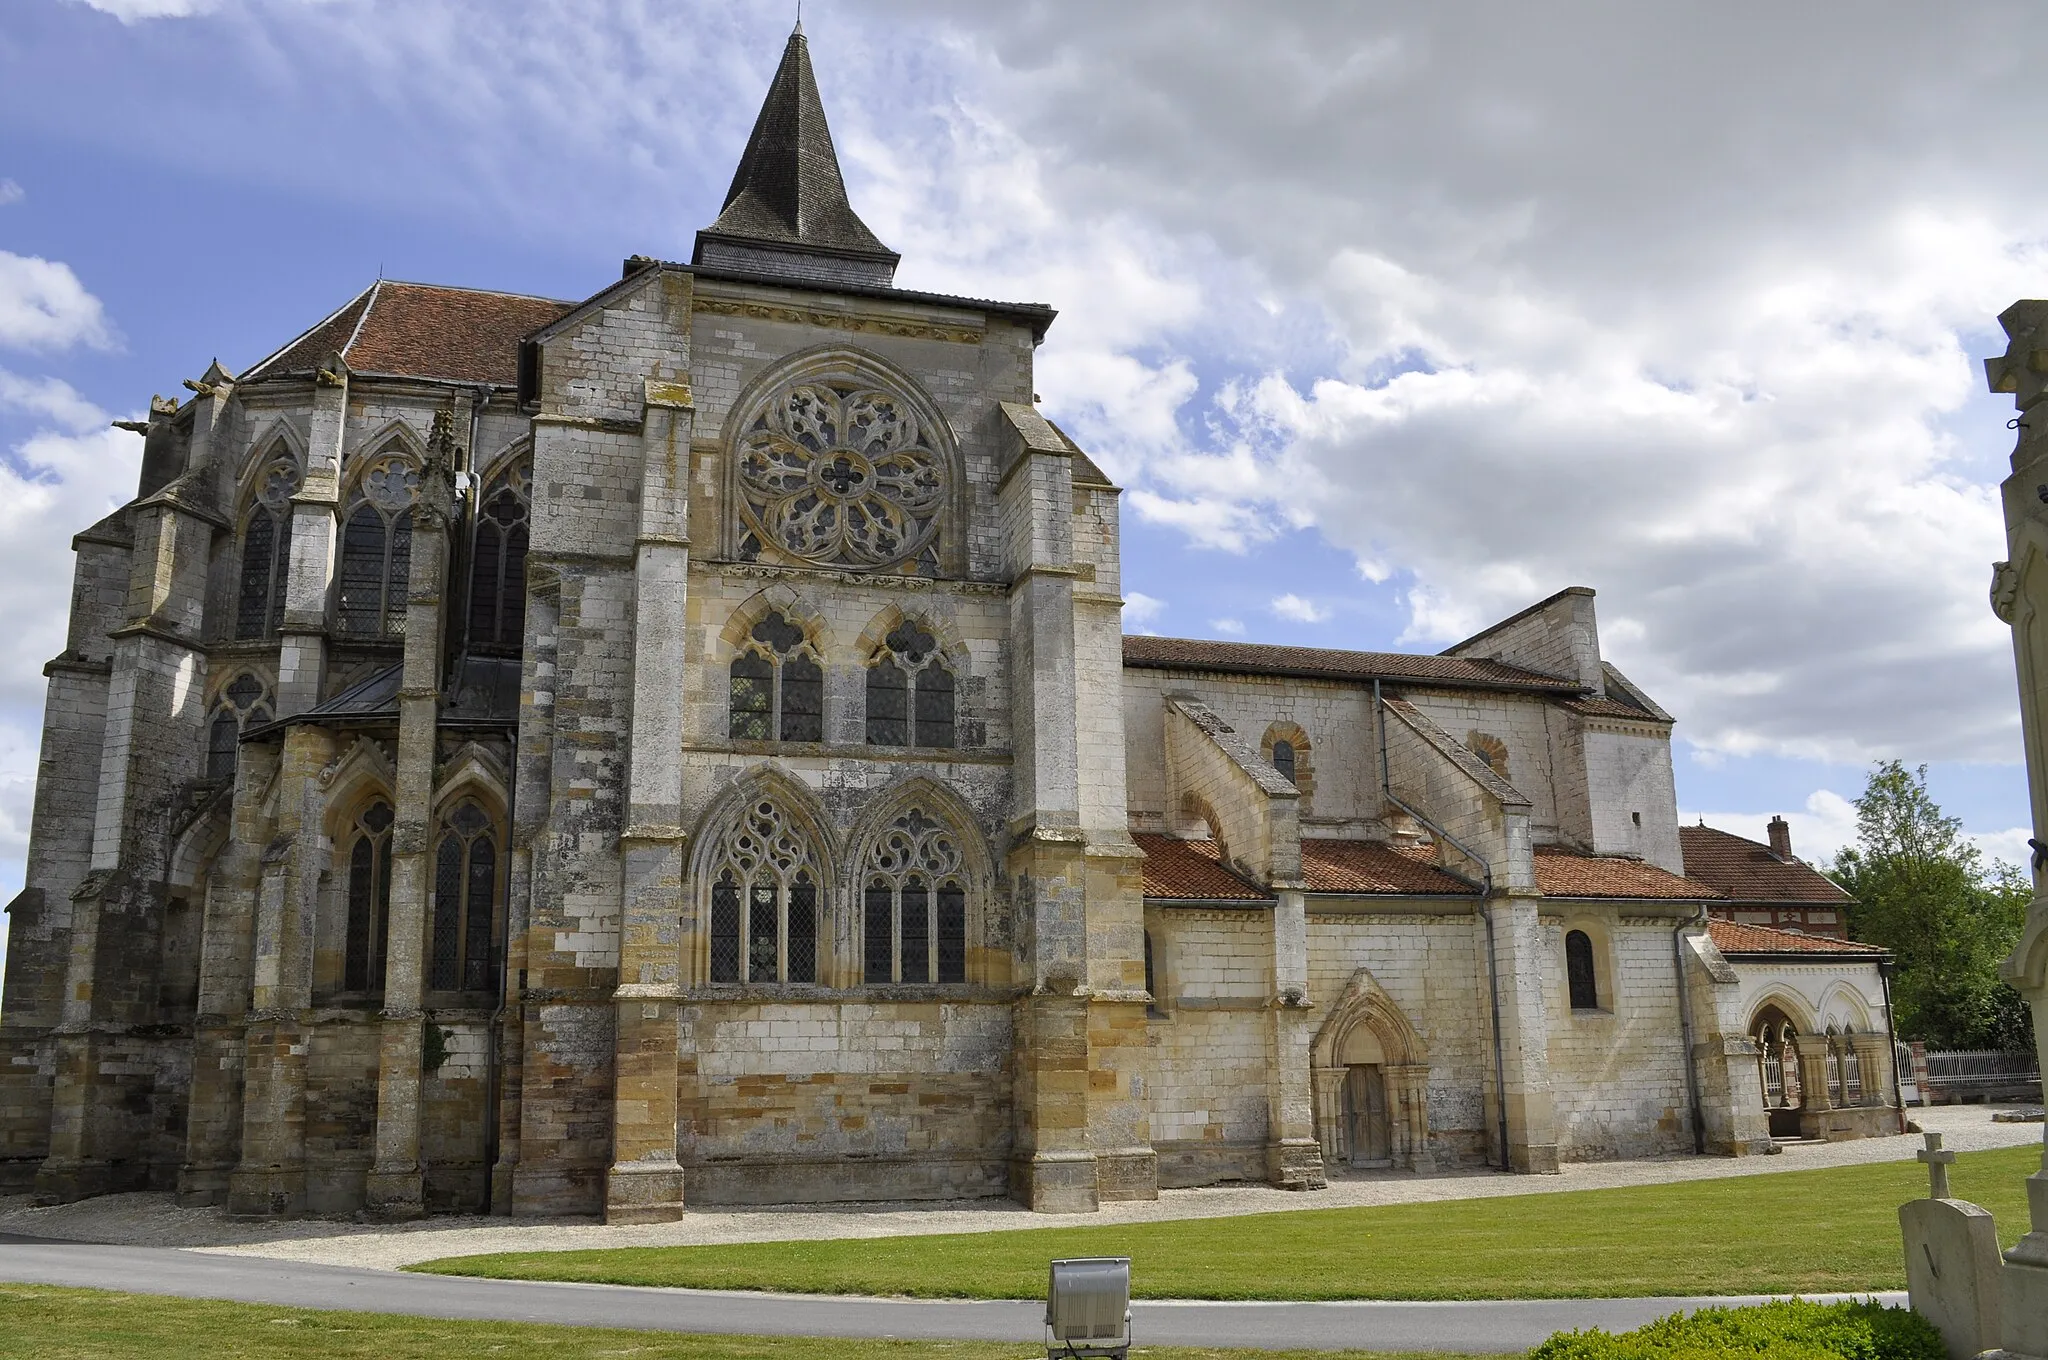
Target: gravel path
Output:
[{"x": 153, "y": 1220}]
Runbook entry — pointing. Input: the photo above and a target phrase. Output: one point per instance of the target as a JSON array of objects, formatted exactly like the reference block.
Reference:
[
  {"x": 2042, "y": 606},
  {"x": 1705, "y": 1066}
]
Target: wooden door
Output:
[{"x": 1365, "y": 1110}]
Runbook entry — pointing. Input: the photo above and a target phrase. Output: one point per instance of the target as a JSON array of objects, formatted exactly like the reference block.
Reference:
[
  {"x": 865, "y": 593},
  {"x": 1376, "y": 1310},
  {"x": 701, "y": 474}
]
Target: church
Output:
[{"x": 680, "y": 748}]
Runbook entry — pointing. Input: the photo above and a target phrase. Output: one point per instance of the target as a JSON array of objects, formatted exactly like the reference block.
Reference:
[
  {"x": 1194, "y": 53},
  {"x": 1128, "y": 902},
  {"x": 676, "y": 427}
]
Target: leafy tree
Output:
[{"x": 1924, "y": 892}]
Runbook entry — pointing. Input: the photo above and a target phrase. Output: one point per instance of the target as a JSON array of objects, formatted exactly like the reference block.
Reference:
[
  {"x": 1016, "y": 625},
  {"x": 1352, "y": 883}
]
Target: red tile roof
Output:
[
  {"x": 1333, "y": 866},
  {"x": 1192, "y": 871},
  {"x": 1613, "y": 707},
  {"x": 1250, "y": 658},
  {"x": 416, "y": 330},
  {"x": 1566, "y": 873},
  {"x": 1733, "y": 937},
  {"x": 1748, "y": 872}
]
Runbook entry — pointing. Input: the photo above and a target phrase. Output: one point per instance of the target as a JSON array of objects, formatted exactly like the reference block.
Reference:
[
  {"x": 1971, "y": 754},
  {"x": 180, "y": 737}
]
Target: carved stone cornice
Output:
[{"x": 826, "y": 319}]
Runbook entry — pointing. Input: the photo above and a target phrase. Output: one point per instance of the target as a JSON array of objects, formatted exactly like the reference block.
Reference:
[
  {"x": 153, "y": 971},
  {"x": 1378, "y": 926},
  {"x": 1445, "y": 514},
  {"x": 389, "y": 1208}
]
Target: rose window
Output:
[{"x": 840, "y": 475}]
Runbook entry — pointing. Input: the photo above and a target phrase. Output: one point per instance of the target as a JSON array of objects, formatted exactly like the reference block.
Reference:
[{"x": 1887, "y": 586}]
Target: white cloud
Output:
[
  {"x": 2009, "y": 845},
  {"x": 134, "y": 11},
  {"x": 44, "y": 306},
  {"x": 65, "y": 476},
  {"x": 1233, "y": 627},
  {"x": 1141, "y": 611},
  {"x": 1292, "y": 606},
  {"x": 1430, "y": 280},
  {"x": 10, "y": 193}
]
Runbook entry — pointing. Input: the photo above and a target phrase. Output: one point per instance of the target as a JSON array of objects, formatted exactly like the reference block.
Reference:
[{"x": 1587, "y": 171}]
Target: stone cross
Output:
[{"x": 1937, "y": 1166}]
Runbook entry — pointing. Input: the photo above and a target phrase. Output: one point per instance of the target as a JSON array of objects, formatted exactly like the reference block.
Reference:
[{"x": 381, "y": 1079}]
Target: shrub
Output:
[{"x": 1793, "y": 1330}]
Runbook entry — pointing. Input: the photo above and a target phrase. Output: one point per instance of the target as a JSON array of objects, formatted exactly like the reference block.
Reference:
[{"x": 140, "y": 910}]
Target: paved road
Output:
[{"x": 1477, "y": 1327}]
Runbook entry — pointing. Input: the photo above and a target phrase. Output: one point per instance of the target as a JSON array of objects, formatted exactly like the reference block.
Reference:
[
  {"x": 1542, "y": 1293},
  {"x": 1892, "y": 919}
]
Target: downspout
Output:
[
  {"x": 1500, "y": 1061},
  {"x": 1692, "y": 1072},
  {"x": 1884, "y": 978}
]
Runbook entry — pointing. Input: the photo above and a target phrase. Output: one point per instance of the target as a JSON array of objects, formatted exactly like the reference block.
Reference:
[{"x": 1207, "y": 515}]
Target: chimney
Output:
[{"x": 1781, "y": 839}]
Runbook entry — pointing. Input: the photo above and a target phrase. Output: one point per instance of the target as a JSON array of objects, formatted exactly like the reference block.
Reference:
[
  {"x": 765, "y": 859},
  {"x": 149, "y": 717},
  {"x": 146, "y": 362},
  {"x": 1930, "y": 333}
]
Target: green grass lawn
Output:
[
  {"x": 1796, "y": 1231},
  {"x": 40, "y": 1323}
]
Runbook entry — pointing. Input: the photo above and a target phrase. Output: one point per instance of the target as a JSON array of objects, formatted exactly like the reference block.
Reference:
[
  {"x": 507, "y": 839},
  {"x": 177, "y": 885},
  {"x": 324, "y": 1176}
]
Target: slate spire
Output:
[{"x": 786, "y": 213}]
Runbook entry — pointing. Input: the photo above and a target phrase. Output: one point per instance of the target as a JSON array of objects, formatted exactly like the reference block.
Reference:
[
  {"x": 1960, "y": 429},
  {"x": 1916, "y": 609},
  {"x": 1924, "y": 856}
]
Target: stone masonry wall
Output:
[
  {"x": 1434, "y": 968},
  {"x": 1617, "y": 1072},
  {"x": 1208, "y": 1042}
]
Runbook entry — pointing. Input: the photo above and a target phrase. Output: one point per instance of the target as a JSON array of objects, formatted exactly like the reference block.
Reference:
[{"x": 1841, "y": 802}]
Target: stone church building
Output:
[{"x": 680, "y": 747}]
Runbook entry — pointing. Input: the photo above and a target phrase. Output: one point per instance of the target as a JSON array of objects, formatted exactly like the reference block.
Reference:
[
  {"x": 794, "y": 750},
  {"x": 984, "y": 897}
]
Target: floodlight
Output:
[{"x": 1088, "y": 1307}]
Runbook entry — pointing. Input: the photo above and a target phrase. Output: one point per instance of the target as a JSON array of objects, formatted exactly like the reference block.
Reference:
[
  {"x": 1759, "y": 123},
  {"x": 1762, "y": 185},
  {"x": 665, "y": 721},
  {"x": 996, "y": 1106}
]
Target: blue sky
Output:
[{"x": 1389, "y": 323}]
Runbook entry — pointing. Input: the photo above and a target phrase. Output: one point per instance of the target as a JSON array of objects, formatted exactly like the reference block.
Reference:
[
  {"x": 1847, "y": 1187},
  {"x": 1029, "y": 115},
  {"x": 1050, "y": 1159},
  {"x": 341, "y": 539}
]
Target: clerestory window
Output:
[
  {"x": 765, "y": 900},
  {"x": 497, "y": 576},
  {"x": 914, "y": 904},
  {"x": 369, "y": 899},
  {"x": 376, "y": 549},
  {"x": 466, "y": 874},
  {"x": 778, "y": 688},
  {"x": 910, "y": 692},
  {"x": 1283, "y": 760},
  {"x": 266, "y": 551},
  {"x": 240, "y": 704}
]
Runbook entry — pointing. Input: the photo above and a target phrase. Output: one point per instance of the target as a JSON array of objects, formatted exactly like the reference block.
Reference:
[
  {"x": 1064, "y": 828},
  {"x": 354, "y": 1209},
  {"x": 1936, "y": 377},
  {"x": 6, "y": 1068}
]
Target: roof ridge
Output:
[
  {"x": 376, "y": 291},
  {"x": 482, "y": 292},
  {"x": 293, "y": 343}
]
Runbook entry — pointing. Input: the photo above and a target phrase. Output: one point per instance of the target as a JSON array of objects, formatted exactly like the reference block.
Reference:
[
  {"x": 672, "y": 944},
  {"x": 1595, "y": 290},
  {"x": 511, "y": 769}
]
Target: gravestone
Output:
[{"x": 1952, "y": 1265}]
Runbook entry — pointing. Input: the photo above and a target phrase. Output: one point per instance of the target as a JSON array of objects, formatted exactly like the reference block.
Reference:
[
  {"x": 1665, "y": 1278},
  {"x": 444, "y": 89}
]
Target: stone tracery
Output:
[
  {"x": 764, "y": 899},
  {"x": 914, "y": 902},
  {"x": 839, "y": 473}
]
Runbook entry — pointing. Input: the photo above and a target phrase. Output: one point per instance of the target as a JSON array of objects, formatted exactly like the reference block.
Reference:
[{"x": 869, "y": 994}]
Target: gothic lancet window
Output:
[
  {"x": 240, "y": 704},
  {"x": 266, "y": 550},
  {"x": 910, "y": 692},
  {"x": 765, "y": 900},
  {"x": 778, "y": 688},
  {"x": 1580, "y": 976},
  {"x": 465, "y": 901},
  {"x": 497, "y": 576},
  {"x": 376, "y": 549},
  {"x": 914, "y": 904},
  {"x": 369, "y": 899}
]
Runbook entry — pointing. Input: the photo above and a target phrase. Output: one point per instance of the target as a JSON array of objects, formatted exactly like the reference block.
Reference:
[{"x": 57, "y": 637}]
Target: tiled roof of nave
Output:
[
  {"x": 1251, "y": 658},
  {"x": 418, "y": 330}
]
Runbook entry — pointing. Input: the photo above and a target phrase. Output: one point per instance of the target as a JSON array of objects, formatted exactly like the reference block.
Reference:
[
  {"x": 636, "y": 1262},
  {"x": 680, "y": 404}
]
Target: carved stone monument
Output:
[{"x": 1952, "y": 1266}]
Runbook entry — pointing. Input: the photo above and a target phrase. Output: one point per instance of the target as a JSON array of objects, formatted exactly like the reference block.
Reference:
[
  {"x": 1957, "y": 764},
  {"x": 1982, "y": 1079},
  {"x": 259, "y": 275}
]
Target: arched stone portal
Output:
[{"x": 1371, "y": 1071}]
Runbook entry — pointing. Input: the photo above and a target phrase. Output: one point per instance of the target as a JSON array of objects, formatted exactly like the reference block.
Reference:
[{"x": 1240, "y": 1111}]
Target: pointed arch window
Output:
[
  {"x": 266, "y": 550},
  {"x": 369, "y": 899},
  {"x": 910, "y": 692},
  {"x": 765, "y": 900},
  {"x": 242, "y": 702},
  {"x": 466, "y": 893},
  {"x": 778, "y": 687},
  {"x": 497, "y": 574},
  {"x": 914, "y": 904},
  {"x": 376, "y": 549},
  {"x": 1581, "y": 977}
]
